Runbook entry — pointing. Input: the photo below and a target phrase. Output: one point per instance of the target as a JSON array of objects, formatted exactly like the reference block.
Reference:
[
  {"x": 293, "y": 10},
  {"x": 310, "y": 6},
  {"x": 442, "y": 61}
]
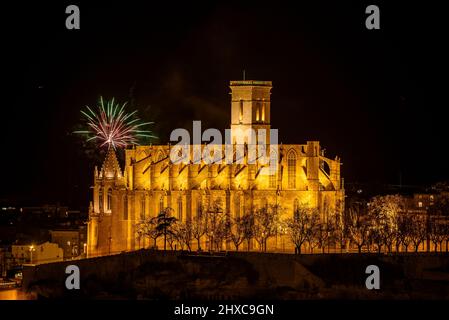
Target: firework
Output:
[{"x": 112, "y": 126}]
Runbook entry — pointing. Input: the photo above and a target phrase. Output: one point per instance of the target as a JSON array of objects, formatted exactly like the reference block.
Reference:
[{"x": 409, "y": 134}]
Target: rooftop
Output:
[{"x": 251, "y": 83}]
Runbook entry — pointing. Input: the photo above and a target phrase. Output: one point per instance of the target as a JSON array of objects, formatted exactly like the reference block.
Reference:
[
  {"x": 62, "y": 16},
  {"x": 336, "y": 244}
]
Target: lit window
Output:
[
  {"x": 420, "y": 204},
  {"x": 241, "y": 111},
  {"x": 291, "y": 163},
  {"x": 161, "y": 204},
  {"x": 263, "y": 112},
  {"x": 100, "y": 199}
]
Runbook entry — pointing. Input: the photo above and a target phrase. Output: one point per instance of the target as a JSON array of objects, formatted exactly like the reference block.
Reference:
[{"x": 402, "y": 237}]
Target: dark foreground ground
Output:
[{"x": 158, "y": 275}]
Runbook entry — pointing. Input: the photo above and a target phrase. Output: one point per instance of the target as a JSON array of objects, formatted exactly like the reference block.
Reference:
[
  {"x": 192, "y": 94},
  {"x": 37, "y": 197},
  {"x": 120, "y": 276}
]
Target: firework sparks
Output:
[{"x": 113, "y": 126}]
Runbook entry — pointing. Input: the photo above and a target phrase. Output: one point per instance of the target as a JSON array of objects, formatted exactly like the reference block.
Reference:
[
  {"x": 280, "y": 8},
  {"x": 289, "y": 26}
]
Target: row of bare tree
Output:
[{"x": 383, "y": 224}]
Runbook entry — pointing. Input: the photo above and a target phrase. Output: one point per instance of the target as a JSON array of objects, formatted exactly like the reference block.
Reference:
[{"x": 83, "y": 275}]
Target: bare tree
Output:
[
  {"x": 222, "y": 231},
  {"x": 437, "y": 234},
  {"x": 237, "y": 231},
  {"x": 384, "y": 211},
  {"x": 340, "y": 233},
  {"x": 147, "y": 228},
  {"x": 248, "y": 229},
  {"x": 266, "y": 224},
  {"x": 418, "y": 231},
  {"x": 164, "y": 222},
  {"x": 183, "y": 233},
  {"x": 171, "y": 239},
  {"x": 313, "y": 229},
  {"x": 358, "y": 225},
  {"x": 198, "y": 227},
  {"x": 325, "y": 234},
  {"x": 446, "y": 234},
  {"x": 216, "y": 226},
  {"x": 299, "y": 227},
  {"x": 404, "y": 230}
]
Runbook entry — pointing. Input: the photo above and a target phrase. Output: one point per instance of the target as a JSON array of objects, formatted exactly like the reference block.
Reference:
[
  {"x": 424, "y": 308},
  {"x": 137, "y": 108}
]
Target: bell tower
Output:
[{"x": 250, "y": 108}]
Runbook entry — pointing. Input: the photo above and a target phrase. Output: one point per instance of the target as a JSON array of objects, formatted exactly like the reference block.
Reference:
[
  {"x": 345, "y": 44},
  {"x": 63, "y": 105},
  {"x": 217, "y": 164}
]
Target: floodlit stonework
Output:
[{"x": 150, "y": 182}]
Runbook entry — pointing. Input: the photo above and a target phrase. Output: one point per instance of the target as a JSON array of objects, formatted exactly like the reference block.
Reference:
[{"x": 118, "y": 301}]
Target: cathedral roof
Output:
[{"x": 111, "y": 166}]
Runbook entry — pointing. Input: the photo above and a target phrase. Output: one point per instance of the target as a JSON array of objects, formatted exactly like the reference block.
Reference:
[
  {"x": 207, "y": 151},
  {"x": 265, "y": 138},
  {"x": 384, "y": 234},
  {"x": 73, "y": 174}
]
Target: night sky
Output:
[{"x": 376, "y": 98}]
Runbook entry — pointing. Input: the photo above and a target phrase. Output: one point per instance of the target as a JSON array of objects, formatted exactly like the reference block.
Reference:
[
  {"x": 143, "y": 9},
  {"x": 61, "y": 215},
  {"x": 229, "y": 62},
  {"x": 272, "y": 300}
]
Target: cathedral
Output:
[{"x": 150, "y": 181}]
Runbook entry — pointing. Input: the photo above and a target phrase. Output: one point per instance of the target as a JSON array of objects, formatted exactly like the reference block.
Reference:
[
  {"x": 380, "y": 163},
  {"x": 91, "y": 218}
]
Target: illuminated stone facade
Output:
[{"x": 151, "y": 182}]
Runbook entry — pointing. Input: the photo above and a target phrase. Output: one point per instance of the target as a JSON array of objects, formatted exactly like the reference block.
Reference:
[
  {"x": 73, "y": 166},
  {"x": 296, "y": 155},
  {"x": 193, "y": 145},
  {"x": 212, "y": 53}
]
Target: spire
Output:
[{"x": 111, "y": 167}]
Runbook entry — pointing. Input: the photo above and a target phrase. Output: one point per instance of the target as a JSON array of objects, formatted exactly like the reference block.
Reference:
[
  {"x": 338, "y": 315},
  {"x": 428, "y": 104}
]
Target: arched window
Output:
[
  {"x": 262, "y": 116},
  {"x": 142, "y": 207},
  {"x": 257, "y": 111},
  {"x": 161, "y": 204},
  {"x": 237, "y": 207},
  {"x": 180, "y": 209},
  {"x": 125, "y": 208},
  {"x": 100, "y": 199},
  {"x": 241, "y": 111},
  {"x": 291, "y": 164},
  {"x": 109, "y": 200}
]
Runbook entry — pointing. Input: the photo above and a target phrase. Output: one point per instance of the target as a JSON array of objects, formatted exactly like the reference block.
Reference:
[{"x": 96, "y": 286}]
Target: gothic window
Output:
[
  {"x": 296, "y": 209},
  {"x": 241, "y": 111},
  {"x": 291, "y": 164},
  {"x": 262, "y": 116},
  {"x": 161, "y": 204},
  {"x": 237, "y": 207},
  {"x": 125, "y": 208},
  {"x": 257, "y": 111},
  {"x": 142, "y": 207},
  {"x": 180, "y": 209},
  {"x": 100, "y": 199},
  {"x": 272, "y": 178},
  {"x": 109, "y": 200}
]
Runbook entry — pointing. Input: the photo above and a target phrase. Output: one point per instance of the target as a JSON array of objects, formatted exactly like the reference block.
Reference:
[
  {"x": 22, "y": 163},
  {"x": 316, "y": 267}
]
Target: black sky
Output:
[{"x": 376, "y": 98}]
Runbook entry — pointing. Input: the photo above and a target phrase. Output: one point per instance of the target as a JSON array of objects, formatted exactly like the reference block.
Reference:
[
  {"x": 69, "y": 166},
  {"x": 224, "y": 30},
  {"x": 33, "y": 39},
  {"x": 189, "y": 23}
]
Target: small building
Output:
[
  {"x": 36, "y": 253},
  {"x": 72, "y": 241}
]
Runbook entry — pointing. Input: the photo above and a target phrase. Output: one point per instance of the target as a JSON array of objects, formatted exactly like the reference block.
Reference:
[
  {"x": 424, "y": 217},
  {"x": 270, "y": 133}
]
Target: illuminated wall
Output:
[{"x": 150, "y": 181}]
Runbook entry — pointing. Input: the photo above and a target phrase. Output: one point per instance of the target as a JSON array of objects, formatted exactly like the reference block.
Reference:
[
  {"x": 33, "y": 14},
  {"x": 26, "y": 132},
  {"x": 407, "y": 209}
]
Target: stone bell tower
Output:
[{"x": 250, "y": 108}]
